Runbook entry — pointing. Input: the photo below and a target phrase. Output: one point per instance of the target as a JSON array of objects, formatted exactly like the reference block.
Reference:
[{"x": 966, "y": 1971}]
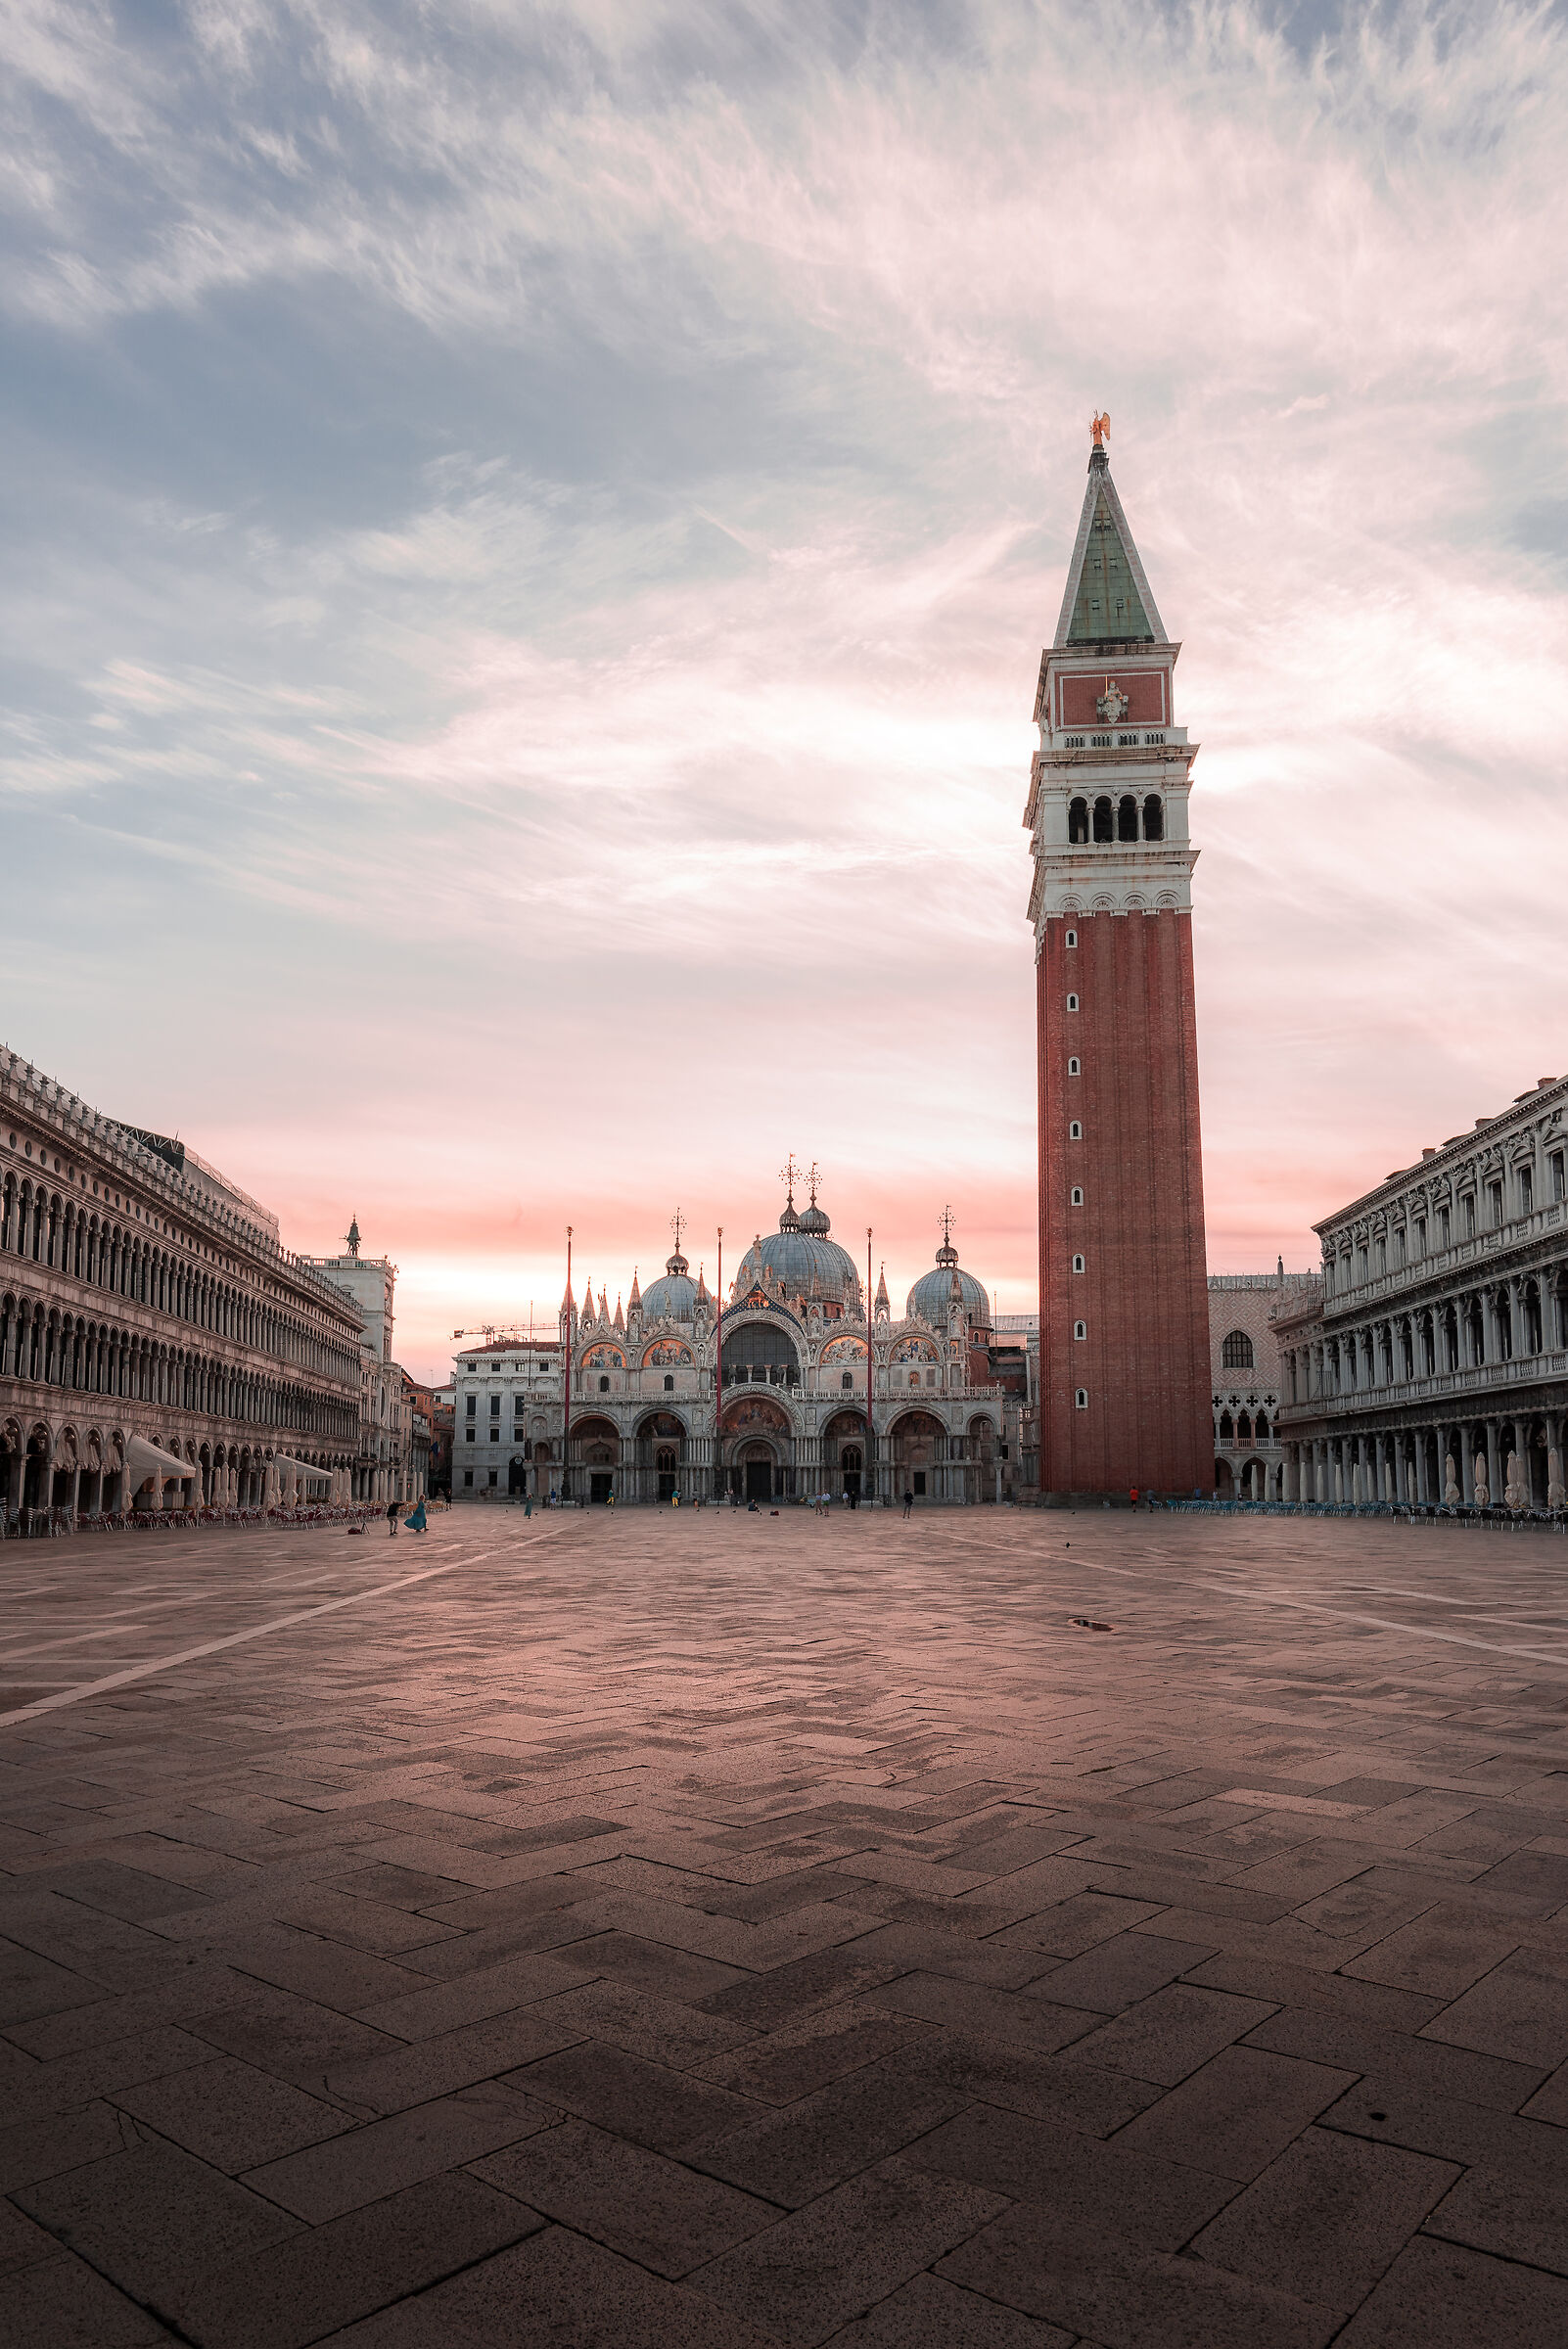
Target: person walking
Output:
[
  {"x": 909, "y": 1501},
  {"x": 414, "y": 1522},
  {"x": 528, "y": 1506},
  {"x": 391, "y": 1518}
]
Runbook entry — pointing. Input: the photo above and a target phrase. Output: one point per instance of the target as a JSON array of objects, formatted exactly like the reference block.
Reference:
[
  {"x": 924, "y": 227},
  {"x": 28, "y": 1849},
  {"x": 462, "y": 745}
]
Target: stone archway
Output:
[
  {"x": 843, "y": 1454},
  {"x": 595, "y": 1459},
  {"x": 756, "y": 1433},
  {"x": 761, "y": 1477},
  {"x": 661, "y": 1440},
  {"x": 35, "y": 1473},
  {"x": 919, "y": 1448}
]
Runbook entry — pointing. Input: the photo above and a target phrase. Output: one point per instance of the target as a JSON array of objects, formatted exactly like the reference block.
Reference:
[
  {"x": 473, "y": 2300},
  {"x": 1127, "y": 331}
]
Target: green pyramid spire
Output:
[{"x": 1108, "y": 607}]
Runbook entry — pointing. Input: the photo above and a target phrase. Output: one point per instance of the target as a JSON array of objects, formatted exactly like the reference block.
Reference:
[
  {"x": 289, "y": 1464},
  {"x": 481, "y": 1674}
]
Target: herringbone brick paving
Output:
[{"x": 731, "y": 1931}]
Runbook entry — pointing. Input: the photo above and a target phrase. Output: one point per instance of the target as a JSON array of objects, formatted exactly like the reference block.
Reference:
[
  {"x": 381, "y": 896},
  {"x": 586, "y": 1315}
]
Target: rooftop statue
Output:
[{"x": 1100, "y": 427}]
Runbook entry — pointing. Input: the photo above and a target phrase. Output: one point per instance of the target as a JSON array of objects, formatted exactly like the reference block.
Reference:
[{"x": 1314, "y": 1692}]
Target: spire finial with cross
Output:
[
  {"x": 677, "y": 1224},
  {"x": 789, "y": 1176},
  {"x": 946, "y": 1227},
  {"x": 814, "y": 1178}
]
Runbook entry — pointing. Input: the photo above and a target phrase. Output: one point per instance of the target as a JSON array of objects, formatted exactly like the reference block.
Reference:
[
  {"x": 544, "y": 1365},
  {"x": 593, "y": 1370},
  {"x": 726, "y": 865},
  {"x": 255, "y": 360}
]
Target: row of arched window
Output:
[
  {"x": 39, "y": 1344},
  {"x": 52, "y": 1229},
  {"x": 1243, "y": 1428},
  {"x": 1116, "y": 819},
  {"x": 1489, "y": 1325}
]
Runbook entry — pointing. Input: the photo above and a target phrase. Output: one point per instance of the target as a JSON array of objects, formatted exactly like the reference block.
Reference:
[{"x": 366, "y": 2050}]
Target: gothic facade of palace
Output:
[
  {"x": 1249, "y": 1458},
  {"x": 782, "y": 1368},
  {"x": 1123, "y": 1376},
  {"x": 154, "y": 1336},
  {"x": 1430, "y": 1361}
]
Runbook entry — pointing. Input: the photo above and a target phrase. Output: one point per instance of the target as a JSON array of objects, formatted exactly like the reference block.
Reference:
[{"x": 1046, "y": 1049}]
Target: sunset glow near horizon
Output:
[{"x": 531, "y": 534}]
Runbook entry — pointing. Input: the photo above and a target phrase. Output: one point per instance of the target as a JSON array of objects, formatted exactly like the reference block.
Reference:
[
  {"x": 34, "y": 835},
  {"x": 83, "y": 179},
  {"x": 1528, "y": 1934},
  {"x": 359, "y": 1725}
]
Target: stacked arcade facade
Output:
[{"x": 1124, "y": 1387}]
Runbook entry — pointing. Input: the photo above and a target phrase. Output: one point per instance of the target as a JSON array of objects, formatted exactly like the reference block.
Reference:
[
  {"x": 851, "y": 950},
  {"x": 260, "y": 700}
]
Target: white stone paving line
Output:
[
  {"x": 257, "y": 1631},
  {"x": 1259, "y": 1596}
]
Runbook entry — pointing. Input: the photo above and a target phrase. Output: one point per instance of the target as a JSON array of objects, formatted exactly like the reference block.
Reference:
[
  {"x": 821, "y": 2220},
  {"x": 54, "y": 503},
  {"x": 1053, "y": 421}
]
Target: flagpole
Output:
[
  {"x": 719, "y": 1373},
  {"x": 566, "y": 1383},
  {"x": 870, "y": 1379}
]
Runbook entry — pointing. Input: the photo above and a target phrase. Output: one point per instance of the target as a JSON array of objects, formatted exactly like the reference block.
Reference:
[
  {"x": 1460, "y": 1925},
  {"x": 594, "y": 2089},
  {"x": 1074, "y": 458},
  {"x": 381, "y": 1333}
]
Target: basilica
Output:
[{"x": 679, "y": 1396}]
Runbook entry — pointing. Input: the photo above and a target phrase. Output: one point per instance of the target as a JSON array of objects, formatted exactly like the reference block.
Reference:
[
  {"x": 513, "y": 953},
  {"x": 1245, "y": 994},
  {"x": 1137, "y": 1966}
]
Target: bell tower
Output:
[{"x": 1125, "y": 1379}]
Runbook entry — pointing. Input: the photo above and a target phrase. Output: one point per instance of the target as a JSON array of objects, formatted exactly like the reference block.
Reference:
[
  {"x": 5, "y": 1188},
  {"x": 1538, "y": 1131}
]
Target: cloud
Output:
[{"x": 530, "y": 544}]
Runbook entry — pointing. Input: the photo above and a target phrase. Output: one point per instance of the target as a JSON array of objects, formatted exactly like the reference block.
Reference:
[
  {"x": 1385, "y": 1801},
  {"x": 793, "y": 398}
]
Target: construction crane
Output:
[{"x": 506, "y": 1332}]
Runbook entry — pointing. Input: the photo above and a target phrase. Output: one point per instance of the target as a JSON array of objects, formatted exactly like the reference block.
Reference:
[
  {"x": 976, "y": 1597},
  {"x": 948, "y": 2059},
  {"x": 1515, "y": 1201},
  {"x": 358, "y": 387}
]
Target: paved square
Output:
[{"x": 721, "y": 1930}]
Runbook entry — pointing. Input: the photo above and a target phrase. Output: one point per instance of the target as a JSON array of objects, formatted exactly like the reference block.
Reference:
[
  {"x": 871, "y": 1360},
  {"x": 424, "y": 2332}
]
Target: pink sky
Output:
[{"x": 534, "y": 551}]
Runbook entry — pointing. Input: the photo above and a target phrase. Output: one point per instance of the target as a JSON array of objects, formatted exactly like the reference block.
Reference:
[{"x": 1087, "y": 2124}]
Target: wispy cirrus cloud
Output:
[{"x": 531, "y": 534}]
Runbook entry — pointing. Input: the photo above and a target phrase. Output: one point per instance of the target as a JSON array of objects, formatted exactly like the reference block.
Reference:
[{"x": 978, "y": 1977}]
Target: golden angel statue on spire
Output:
[{"x": 1100, "y": 427}]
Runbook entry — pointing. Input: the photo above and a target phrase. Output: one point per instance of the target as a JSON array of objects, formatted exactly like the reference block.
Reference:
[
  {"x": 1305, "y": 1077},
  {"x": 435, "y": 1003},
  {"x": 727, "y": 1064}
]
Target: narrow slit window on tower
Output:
[
  {"x": 1078, "y": 1195},
  {"x": 1074, "y": 1132},
  {"x": 1081, "y": 1400},
  {"x": 1081, "y": 1329},
  {"x": 1127, "y": 818},
  {"x": 1077, "y": 822},
  {"x": 1070, "y": 939},
  {"x": 1071, "y": 1002},
  {"x": 1075, "y": 1067},
  {"x": 1077, "y": 1264},
  {"x": 1104, "y": 816},
  {"x": 1154, "y": 817}
]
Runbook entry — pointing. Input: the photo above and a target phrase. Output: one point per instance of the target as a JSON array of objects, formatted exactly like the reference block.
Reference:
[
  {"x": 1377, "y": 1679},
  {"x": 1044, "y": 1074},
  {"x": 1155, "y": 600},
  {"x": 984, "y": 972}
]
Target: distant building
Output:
[
  {"x": 1430, "y": 1362},
  {"x": 421, "y": 1444},
  {"x": 505, "y": 1431},
  {"x": 383, "y": 1469},
  {"x": 442, "y": 1417}
]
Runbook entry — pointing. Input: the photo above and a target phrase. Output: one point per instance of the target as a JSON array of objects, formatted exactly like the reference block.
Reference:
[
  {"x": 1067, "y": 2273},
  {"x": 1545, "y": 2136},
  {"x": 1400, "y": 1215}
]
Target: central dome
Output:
[{"x": 802, "y": 1256}]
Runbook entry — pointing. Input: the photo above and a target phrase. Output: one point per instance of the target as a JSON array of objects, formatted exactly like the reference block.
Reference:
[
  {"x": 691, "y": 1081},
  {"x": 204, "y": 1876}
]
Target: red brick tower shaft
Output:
[{"x": 1124, "y": 1381}]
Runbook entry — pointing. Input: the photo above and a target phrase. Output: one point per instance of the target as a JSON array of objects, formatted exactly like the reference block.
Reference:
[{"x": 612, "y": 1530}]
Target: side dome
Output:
[
  {"x": 931, "y": 1294},
  {"x": 674, "y": 1297}
]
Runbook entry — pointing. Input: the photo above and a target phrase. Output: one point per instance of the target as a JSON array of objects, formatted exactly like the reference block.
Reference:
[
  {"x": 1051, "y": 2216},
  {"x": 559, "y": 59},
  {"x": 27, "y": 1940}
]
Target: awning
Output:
[
  {"x": 301, "y": 1470},
  {"x": 144, "y": 1459}
]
